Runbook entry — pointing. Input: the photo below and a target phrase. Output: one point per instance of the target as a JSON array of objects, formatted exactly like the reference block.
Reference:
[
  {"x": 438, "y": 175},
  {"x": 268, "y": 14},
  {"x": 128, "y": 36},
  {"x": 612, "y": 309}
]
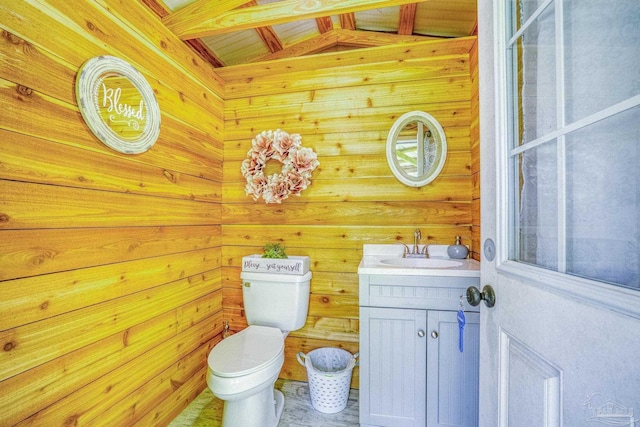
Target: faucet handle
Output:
[{"x": 406, "y": 249}]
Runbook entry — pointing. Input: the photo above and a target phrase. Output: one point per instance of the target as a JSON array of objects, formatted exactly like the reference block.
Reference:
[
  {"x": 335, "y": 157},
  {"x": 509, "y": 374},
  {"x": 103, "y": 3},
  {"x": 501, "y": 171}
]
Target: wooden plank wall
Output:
[
  {"x": 343, "y": 104},
  {"x": 475, "y": 153},
  {"x": 110, "y": 293}
]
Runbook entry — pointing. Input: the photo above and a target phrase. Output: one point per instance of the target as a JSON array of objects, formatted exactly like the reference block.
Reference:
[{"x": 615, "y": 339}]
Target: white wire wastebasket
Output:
[{"x": 329, "y": 371}]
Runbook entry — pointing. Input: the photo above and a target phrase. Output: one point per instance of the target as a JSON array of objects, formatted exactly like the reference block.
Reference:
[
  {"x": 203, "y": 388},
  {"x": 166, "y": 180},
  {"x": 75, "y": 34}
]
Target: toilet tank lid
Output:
[{"x": 275, "y": 277}]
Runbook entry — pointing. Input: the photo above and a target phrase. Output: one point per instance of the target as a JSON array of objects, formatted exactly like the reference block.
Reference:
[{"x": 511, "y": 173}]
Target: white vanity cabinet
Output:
[{"x": 411, "y": 370}]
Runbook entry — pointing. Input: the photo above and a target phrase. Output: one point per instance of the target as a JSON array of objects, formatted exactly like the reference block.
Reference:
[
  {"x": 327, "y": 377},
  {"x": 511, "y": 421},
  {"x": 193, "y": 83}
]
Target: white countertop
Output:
[{"x": 373, "y": 254}]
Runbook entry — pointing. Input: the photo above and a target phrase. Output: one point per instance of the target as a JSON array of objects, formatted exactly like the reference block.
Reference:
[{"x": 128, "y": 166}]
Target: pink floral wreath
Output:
[{"x": 297, "y": 165}]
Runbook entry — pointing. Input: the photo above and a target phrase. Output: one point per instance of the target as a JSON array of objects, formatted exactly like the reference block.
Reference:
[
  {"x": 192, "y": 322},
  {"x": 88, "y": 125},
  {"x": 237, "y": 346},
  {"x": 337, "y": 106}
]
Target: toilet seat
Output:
[{"x": 250, "y": 350}]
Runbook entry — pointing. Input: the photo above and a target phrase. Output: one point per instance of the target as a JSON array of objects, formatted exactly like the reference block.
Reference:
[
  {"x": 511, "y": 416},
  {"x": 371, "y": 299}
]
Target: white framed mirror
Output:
[
  {"x": 416, "y": 148},
  {"x": 118, "y": 104}
]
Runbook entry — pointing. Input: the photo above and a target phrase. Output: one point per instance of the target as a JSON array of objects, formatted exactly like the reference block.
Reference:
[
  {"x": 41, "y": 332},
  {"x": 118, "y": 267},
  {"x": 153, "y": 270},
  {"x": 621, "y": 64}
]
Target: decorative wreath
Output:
[{"x": 297, "y": 165}]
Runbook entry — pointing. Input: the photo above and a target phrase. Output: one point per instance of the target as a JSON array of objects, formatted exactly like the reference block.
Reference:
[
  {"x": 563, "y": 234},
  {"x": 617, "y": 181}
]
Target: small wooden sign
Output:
[{"x": 291, "y": 265}]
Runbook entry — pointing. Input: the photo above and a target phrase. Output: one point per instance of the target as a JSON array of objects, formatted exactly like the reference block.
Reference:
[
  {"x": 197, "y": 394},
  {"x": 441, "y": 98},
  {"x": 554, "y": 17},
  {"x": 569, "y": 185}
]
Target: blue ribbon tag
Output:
[{"x": 461, "y": 321}]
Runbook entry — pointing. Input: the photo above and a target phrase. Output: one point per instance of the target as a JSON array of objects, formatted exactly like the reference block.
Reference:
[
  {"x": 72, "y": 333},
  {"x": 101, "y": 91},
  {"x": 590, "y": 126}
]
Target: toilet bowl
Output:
[
  {"x": 244, "y": 367},
  {"x": 242, "y": 371}
]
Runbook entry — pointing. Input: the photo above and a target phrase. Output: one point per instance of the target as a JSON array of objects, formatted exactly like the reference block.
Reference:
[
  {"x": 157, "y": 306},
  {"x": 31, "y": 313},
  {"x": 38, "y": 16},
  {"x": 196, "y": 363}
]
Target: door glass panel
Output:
[
  {"x": 534, "y": 79},
  {"x": 573, "y": 86},
  {"x": 522, "y": 10},
  {"x": 603, "y": 200},
  {"x": 538, "y": 224},
  {"x": 602, "y": 47}
]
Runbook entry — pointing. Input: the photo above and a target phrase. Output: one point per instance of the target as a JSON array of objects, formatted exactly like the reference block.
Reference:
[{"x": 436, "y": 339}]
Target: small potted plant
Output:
[
  {"x": 274, "y": 250},
  {"x": 274, "y": 259}
]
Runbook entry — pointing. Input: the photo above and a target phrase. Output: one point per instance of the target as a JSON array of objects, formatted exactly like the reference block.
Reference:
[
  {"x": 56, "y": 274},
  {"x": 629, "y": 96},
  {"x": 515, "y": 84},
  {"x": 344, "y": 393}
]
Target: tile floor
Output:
[{"x": 206, "y": 410}]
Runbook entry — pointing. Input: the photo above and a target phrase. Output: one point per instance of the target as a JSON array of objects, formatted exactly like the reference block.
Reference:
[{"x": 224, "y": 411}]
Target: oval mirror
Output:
[
  {"x": 118, "y": 104},
  {"x": 416, "y": 148}
]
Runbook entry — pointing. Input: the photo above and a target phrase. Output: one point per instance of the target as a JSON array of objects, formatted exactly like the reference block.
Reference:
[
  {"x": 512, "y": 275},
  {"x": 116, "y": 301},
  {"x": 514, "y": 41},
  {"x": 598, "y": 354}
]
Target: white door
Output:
[{"x": 560, "y": 138}]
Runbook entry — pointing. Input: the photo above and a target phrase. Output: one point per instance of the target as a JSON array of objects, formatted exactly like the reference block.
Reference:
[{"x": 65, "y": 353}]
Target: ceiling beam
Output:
[
  {"x": 307, "y": 47},
  {"x": 474, "y": 30},
  {"x": 374, "y": 38},
  {"x": 407, "y": 18},
  {"x": 267, "y": 34},
  {"x": 206, "y": 19},
  {"x": 157, "y": 8},
  {"x": 324, "y": 24},
  {"x": 270, "y": 38},
  {"x": 193, "y": 9},
  {"x": 197, "y": 45},
  {"x": 348, "y": 21},
  {"x": 205, "y": 53}
]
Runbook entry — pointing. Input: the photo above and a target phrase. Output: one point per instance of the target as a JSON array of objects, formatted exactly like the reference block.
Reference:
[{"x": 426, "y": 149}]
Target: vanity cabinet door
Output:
[
  {"x": 393, "y": 350},
  {"x": 452, "y": 376}
]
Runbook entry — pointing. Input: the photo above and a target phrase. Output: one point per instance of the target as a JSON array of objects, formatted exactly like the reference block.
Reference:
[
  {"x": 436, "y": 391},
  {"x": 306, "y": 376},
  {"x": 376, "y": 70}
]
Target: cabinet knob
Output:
[
  {"x": 421, "y": 333},
  {"x": 434, "y": 334}
]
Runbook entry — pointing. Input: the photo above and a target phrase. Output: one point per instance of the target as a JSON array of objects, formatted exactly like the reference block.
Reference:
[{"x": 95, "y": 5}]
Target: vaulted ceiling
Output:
[{"x": 231, "y": 32}]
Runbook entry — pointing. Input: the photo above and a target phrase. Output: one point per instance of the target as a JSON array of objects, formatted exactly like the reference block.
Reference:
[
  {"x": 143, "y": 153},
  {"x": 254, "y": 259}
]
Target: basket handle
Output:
[
  {"x": 302, "y": 358},
  {"x": 355, "y": 356}
]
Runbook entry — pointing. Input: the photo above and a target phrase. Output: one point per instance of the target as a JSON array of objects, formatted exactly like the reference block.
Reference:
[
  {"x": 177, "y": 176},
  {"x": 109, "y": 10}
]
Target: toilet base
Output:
[
  {"x": 279, "y": 402},
  {"x": 262, "y": 409}
]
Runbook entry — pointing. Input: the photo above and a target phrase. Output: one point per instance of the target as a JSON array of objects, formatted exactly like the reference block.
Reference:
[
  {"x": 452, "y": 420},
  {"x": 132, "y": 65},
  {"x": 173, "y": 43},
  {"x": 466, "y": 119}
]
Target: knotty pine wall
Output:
[
  {"x": 110, "y": 278},
  {"x": 110, "y": 264},
  {"x": 475, "y": 153},
  {"x": 343, "y": 104}
]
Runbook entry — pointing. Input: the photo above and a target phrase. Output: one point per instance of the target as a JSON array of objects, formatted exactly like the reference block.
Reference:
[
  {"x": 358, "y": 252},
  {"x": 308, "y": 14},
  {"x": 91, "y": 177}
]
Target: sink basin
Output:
[{"x": 421, "y": 262}]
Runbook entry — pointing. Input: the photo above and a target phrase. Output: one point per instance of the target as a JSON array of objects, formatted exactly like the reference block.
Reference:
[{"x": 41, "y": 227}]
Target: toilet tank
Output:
[{"x": 277, "y": 300}]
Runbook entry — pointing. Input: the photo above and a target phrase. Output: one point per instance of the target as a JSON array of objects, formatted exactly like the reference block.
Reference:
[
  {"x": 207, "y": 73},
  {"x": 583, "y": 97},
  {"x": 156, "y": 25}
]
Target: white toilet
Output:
[{"x": 244, "y": 367}]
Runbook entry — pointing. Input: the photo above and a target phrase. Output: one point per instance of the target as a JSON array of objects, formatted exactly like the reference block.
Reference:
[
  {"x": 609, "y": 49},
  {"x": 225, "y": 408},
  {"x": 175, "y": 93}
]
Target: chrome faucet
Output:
[{"x": 415, "y": 252}]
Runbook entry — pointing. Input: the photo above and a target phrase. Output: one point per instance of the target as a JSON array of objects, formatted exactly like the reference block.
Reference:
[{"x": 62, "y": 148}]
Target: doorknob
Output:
[{"x": 474, "y": 296}]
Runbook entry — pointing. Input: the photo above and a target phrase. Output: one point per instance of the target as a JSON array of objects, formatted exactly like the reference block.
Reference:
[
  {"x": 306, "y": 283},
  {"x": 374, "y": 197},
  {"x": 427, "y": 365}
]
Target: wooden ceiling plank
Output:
[
  {"x": 407, "y": 18},
  {"x": 207, "y": 20},
  {"x": 325, "y": 24}
]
